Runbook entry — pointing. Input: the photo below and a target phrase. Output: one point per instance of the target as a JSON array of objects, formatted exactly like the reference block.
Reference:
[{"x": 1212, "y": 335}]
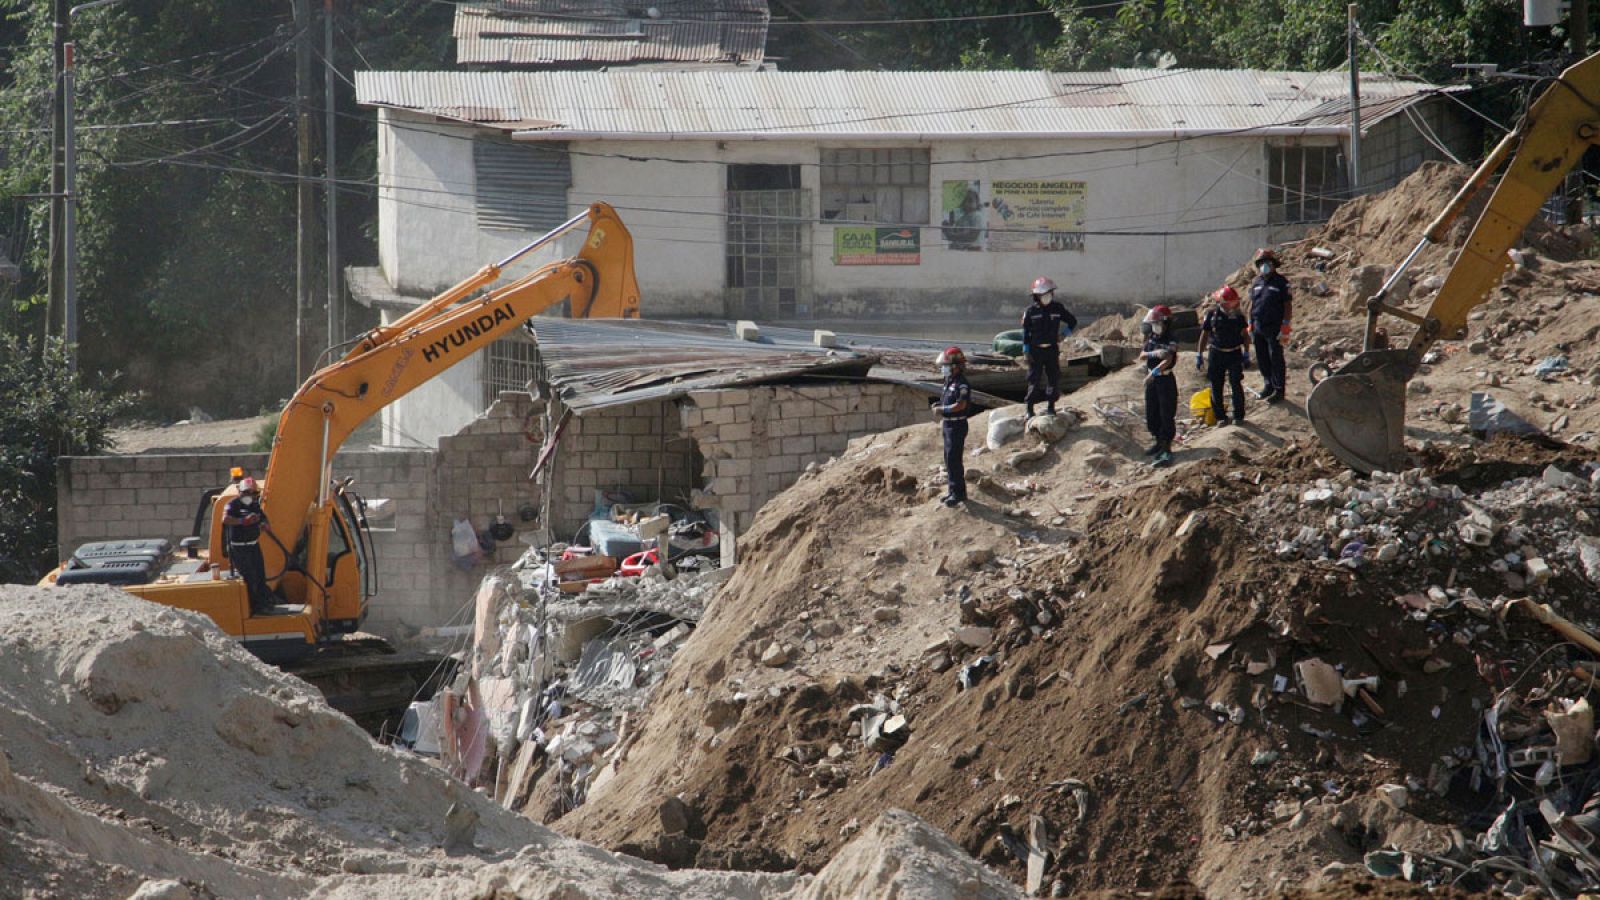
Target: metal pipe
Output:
[
  {"x": 1351, "y": 30},
  {"x": 543, "y": 239},
  {"x": 323, "y": 462},
  {"x": 329, "y": 189}
]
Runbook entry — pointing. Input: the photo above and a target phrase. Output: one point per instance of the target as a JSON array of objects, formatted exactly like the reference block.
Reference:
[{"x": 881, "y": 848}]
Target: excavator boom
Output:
[{"x": 1358, "y": 412}]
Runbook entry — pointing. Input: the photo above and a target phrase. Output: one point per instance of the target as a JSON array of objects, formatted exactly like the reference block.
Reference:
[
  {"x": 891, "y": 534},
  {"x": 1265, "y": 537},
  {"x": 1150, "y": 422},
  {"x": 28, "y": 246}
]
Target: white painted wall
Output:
[{"x": 671, "y": 195}]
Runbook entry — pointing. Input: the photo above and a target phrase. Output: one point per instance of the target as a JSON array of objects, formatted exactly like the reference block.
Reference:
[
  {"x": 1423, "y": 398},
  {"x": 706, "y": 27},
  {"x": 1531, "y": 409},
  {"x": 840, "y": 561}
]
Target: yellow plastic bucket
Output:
[{"x": 1200, "y": 406}]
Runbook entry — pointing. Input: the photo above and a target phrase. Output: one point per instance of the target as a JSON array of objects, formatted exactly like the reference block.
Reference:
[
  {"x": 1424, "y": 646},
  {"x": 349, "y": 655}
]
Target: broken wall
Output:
[
  {"x": 110, "y": 497},
  {"x": 636, "y": 448},
  {"x": 757, "y": 441}
]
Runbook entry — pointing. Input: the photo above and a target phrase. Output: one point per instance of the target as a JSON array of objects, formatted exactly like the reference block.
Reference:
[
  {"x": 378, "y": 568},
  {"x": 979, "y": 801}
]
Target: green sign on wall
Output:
[{"x": 867, "y": 245}]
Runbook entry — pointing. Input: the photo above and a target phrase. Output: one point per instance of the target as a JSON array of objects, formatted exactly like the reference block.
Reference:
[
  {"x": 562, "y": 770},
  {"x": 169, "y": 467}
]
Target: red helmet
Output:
[
  {"x": 1265, "y": 254},
  {"x": 1226, "y": 296},
  {"x": 1158, "y": 313},
  {"x": 952, "y": 356},
  {"x": 1042, "y": 285}
]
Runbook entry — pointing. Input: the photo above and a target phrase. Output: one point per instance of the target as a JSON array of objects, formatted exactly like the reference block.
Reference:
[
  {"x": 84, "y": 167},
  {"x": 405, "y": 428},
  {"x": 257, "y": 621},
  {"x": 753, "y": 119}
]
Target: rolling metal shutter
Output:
[{"x": 521, "y": 187}]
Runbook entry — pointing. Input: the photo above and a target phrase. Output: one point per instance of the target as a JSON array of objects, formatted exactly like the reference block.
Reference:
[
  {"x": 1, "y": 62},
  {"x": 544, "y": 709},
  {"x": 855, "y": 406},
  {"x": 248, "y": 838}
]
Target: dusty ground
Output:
[{"x": 138, "y": 744}]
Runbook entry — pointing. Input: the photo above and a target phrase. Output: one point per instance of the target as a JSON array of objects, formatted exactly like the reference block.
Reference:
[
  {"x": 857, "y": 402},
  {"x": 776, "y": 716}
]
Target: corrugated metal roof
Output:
[
  {"x": 985, "y": 103},
  {"x": 1337, "y": 112},
  {"x": 594, "y": 364},
  {"x": 562, "y": 32}
]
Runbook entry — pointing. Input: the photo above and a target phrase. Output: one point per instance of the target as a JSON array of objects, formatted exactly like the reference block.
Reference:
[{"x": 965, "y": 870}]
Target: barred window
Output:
[{"x": 509, "y": 364}]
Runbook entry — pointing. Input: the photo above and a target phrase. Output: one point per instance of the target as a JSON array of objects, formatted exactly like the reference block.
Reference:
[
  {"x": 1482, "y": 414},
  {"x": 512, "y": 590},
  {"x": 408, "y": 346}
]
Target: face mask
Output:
[
  {"x": 944, "y": 371},
  {"x": 247, "y": 499},
  {"x": 1159, "y": 328},
  {"x": 1266, "y": 268}
]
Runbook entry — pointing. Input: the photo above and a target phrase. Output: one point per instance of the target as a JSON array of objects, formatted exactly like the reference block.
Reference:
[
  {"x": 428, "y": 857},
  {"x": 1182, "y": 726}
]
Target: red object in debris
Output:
[{"x": 634, "y": 566}]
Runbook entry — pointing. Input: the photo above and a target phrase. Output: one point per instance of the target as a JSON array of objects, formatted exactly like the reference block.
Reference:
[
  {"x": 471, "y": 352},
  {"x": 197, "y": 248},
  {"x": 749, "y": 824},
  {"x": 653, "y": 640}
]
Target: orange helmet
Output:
[
  {"x": 952, "y": 356},
  {"x": 1158, "y": 313},
  {"x": 1265, "y": 254},
  {"x": 1042, "y": 285},
  {"x": 1226, "y": 296}
]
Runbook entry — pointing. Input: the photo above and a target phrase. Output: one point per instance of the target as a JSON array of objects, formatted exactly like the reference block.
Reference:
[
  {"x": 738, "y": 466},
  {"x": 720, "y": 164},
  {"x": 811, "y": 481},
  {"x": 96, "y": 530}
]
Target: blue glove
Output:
[
  {"x": 1026, "y": 350},
  {"x": 1247, "y": 359},
  {"x": 1066, "y": 331},
  {"x": 1199, "y": 362}
]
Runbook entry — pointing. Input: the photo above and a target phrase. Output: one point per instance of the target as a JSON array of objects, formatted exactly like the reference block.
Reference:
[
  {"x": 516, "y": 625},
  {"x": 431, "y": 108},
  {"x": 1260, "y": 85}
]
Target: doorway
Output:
[{"x": 768, "y": 252}]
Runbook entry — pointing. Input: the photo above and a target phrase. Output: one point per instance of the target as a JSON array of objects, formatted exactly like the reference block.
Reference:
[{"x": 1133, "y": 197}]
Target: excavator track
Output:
[{"x": 367, "y": 679}]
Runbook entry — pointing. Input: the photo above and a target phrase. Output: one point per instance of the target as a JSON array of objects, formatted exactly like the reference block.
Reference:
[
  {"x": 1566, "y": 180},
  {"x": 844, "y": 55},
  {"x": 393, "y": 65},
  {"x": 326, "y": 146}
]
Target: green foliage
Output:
[
  {"x": 262, "y": 443},
  {"x": 45, "y": 412}
]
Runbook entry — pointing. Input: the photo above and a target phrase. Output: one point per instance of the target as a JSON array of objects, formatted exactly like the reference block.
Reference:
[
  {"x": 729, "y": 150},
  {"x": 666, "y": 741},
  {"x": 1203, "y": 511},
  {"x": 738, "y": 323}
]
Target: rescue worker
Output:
[
  {"x": 1223, "y": 332},
  {"x": 1271, "y": 308},
  {"x": 247, "y": 519},
  {"x": 1160, "y": 357},
  {"x": 1044, "y": 323},
  {"x": 952, "y": 409}
]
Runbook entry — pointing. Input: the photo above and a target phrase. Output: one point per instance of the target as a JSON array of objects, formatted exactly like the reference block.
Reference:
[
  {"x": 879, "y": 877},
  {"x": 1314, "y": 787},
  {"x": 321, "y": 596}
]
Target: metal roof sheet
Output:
[
  {"x": 766, "y": 103},
  {"x": 555, "y": 32},
  {"x": 598, "y": 363}
]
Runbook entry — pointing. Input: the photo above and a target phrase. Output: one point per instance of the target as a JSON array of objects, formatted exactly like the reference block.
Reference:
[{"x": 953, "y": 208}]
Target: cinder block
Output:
[
  {"x": 602, "y": 423},
  {"x": 824, "y": 338},
  {"x": 747, "y": 330},
  {"x": 720, "y": 416},
  {"x": 735, "y": 467},
  {"x": 637, "y": 425},
  {"x": 852, "y": 423},
  {"x": 648, "y": 443},
  {"x": 119, "y": 497},
  {"x": 734, "y": 431},
  {"x": 797, "y": 445}
]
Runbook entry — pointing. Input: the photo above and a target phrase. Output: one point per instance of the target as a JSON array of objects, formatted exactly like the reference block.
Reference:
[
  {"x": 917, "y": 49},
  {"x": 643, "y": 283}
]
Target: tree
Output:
[{"x": 46, "y": 412}]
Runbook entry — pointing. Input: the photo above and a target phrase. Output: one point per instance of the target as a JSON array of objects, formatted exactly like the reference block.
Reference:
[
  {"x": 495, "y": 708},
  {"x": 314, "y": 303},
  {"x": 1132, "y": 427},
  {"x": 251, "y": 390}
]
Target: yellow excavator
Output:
[
  {"x": 320, "y": 560},
  {"x": 1359, "y": 411}
]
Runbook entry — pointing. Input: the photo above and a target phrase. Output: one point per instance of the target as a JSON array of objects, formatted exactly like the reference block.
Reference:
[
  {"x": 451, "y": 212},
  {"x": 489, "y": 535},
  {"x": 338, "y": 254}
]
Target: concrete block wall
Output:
[
  {"x": 757, "y": 441},
  {"x": 109, "y": 497},
  {"x": 637, "y": 448}
]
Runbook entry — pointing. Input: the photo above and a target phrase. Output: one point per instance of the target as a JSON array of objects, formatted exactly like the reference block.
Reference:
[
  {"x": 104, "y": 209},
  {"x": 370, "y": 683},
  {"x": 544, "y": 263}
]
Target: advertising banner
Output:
[
  {"x": 867, "y": 245},
  {"x": 1037, "y": 215}
]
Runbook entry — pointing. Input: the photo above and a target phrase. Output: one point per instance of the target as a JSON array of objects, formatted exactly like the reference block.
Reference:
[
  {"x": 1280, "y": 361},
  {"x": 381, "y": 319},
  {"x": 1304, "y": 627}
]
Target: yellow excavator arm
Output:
[
  {"x": 390, "y": 361},
  {"x": 1359, "y": 411}
]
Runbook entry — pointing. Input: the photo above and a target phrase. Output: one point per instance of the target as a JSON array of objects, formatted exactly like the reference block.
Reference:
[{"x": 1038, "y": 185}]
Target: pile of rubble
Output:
[{"x": 543, "y": 707}]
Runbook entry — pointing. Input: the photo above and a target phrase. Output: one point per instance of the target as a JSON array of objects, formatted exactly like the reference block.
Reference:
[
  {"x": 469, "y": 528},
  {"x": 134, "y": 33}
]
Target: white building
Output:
[{"x": 872, "y": 195}]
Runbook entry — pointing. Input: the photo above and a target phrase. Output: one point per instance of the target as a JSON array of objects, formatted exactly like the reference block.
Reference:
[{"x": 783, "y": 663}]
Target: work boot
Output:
[
  {"x": 1164, "y": 458},
  {"x": 1050, "y": 410},
  {"x": 1274, "y": 397},
  {"x": 1224, "y": 422},
  {"x": 1027, "y": 415},
  {"x": 1153, "y": 449},
  {"x": 953, "y": 502}
]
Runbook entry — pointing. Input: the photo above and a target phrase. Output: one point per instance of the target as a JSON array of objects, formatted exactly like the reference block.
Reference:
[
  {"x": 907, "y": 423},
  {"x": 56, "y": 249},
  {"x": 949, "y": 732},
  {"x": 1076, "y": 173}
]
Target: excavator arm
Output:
[
  {"x": 1359, "y": 411},
  {"x": 392, "y": 360}
]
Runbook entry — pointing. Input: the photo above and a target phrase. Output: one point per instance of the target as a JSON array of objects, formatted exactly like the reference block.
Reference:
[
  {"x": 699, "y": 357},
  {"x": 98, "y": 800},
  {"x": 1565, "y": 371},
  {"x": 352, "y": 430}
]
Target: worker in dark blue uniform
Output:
[
  {"x": 1160, "y": 357},
  {"x": 1223, "y": 332},
  {"x": 952, "y": 409},
  {"x": 1044, "y": 323},
  {"x": 1271, "y": 308},
  {"x": 247, "y": 519}
]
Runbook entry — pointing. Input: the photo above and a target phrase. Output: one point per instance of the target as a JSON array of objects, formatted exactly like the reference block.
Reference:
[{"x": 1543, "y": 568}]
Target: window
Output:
[
  {"x": 509, "y": 364},
  {"x": 876, "y": 185},
  {"x": 520, "y": 187},
  {"x": 1304, "y": 184}
]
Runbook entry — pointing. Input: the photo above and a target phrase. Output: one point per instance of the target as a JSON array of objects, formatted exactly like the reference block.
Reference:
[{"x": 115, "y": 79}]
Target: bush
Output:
[{"x": 46, "y": 411}]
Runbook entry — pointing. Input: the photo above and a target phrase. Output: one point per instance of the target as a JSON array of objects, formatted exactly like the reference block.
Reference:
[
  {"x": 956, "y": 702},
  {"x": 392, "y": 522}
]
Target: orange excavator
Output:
[{"x": 319, "y": 560}]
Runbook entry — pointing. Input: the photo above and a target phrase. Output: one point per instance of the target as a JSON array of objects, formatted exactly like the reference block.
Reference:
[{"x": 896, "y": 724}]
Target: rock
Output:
[
  {"x": 775, "y": 655},
  {"x": 1264, "y": 758},
  {"x": 827, "y": 628},
  {"x": 1336, "y": 870},
  {"x": 164, "y": 889},
  {"x": 1317, "y": 497},
  {"x": 886, "y": 614},
  {"x": 1538, "y": 571},
  {"x": 1050, "y": 429},
  {"x": 1320, "y": 682},
  {"x": 974, "y": 635},
  {"x": 460, "y": 827},
  {"x": 1396, "y": 795},
  {"x": 1566, "y": 481},
  {"x": 1573, "y": 724},
  {"x": 674, "y": 815},
  {"x": 1478, "y": 346},
  {"x": 978, "y": 557}
]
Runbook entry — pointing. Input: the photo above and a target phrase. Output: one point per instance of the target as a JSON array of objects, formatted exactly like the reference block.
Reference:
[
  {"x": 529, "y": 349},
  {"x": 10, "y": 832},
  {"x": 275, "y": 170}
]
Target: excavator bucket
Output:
[{"x": 1359, "y": 412}]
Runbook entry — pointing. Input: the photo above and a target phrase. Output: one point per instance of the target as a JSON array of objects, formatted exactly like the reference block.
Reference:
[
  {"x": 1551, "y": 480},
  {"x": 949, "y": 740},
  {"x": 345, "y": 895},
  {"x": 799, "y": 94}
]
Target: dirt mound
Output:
[
  {"x": 1133, "y": 679},
  {"x": 140, "y": 744}
]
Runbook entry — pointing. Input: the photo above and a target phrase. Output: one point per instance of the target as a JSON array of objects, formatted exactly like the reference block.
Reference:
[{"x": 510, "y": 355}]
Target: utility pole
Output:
[
  {"x": 302, "y": 245},
  {"x": 69, "y": 242},
  {"x": 61, "y": 13},
  {"x": 1355, "y": 102},
  {"x": 330, "y": 184}
]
